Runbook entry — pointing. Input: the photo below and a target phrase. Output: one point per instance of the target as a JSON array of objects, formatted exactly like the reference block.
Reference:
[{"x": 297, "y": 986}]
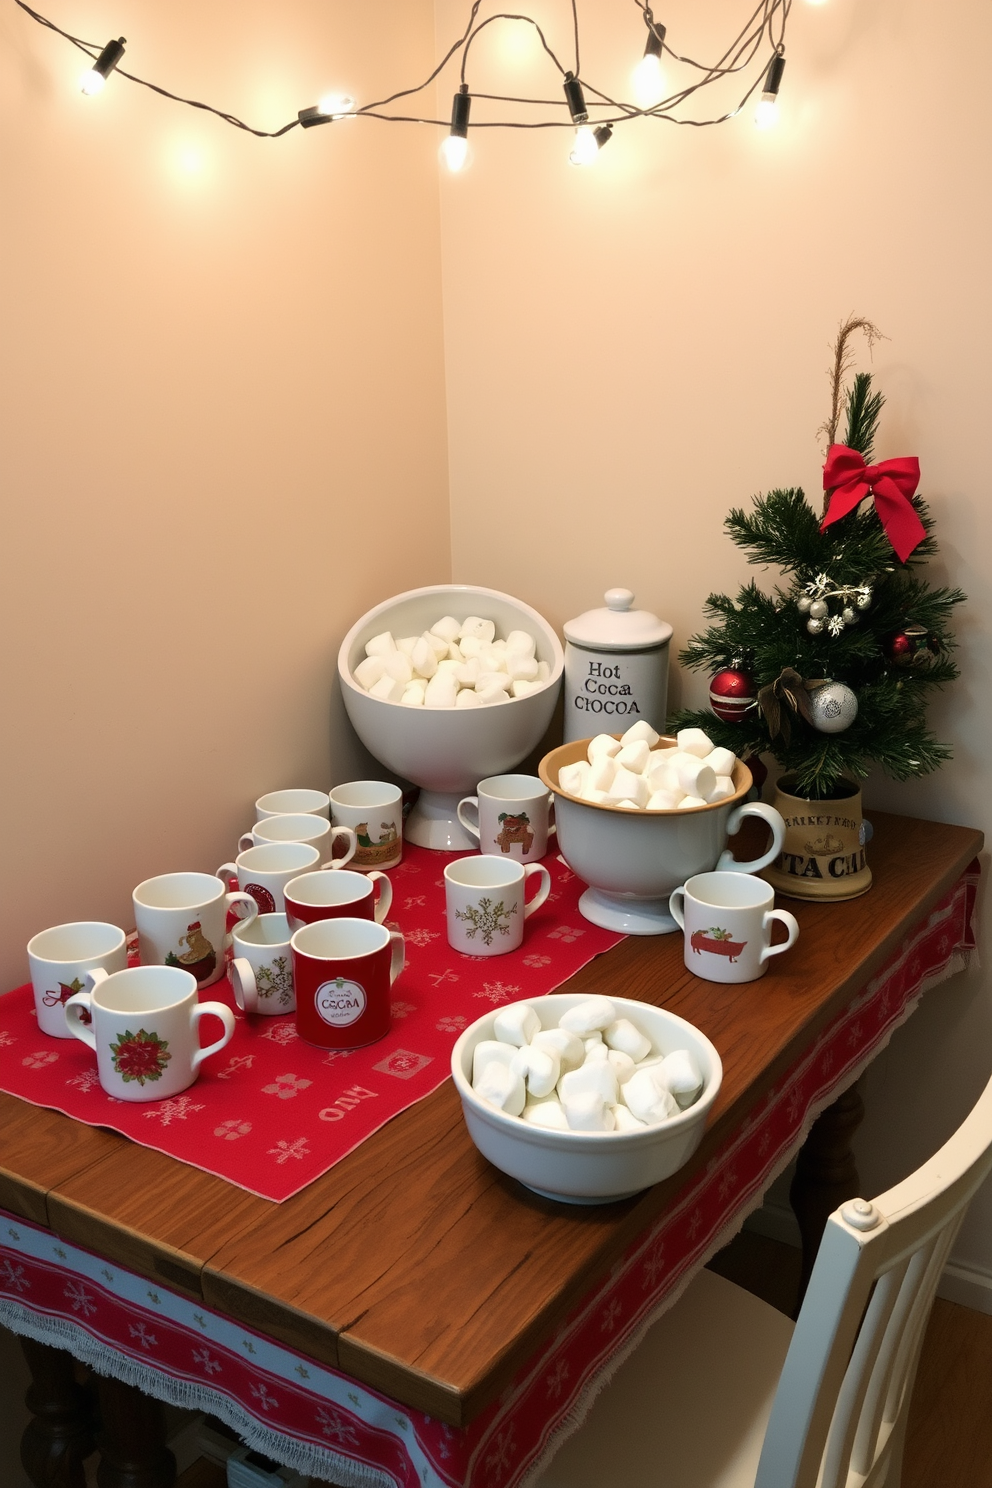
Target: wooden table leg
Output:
[
  {"x": 133, "y": 1453},
  {"x": 60, "y": 1436},
  {"x": 826, "y": 1174}
]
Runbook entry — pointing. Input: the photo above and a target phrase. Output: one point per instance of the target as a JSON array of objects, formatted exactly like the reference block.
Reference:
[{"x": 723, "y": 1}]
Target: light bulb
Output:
[
  {"x": 454, "y": 151},
  {"x": 94, "y": 80},
  {"x": 766, "y": 114},
  {"x": 336, "y": 105},
  {"x": 584, "y": 146},
  {"x": 649, "y": 81}
]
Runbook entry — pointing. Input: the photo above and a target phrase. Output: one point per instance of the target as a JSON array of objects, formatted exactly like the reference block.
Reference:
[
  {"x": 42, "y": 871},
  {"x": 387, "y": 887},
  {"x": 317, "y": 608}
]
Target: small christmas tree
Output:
[{"x": 831, "y": 672}]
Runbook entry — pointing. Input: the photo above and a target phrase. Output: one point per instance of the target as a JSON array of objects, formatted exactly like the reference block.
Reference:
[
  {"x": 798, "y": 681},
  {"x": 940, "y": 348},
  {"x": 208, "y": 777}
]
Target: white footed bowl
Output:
[
  {"x": 588, "y": 1167},
  {"x": 447, "y": 751},
  {"x": 632, "y": 860}
]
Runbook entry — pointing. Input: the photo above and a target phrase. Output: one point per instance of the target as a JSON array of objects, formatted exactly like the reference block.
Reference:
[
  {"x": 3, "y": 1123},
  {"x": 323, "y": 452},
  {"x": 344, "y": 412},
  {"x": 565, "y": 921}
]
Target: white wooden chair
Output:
[{"x": 725, "y": 1392}]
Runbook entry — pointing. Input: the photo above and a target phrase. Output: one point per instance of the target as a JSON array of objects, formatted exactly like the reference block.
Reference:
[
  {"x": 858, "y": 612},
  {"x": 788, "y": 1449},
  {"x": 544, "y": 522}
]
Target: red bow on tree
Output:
[{"x": 891, "y": 483}]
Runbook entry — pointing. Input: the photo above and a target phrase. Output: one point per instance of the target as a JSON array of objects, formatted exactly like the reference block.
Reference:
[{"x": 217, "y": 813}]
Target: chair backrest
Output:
[{"x": 839, "y": 1416}]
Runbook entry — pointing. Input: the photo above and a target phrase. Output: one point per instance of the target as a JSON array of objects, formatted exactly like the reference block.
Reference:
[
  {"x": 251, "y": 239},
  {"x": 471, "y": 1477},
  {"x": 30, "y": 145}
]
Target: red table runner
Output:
[{"x": 271, "y": 1113}]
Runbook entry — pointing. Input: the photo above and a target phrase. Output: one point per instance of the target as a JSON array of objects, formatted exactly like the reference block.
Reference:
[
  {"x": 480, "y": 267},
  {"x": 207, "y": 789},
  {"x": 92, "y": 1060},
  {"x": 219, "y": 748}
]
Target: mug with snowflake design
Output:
[
  {"x": 486, "y": 904},
  {"x": 144, "y": 1029},
  {"x": 262, "y": 969}
]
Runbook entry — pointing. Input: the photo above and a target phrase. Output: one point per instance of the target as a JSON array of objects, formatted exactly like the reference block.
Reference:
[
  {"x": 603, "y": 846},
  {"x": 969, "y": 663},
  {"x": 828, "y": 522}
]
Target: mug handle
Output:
[
  {"x": 676, "y": 906},
  {"x": 727, "y": 863},
  {"x": 529, "y": 870},
  {"x": 226, "y": 872},
  {"x": 397, "y": 955},
  {"x": 80, "y": 1002},
  {"x": 350, "y": 836},
  {"x": 244, "y": 920},
  {"x": 472, "y": 828},
  {"x": 789, "y": 921},
  {"x": 245, "y": 841},
  {"x": 244, "y": 985},
  {"x": 218, "y": 1010},
  {"x": 385, "y": 898},
  {"x": 552, "y": 824}
]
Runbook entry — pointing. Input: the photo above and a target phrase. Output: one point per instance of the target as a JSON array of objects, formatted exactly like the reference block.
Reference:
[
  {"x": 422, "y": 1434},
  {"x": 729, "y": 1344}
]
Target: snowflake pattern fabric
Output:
[{"x": 271, "y": 1112}]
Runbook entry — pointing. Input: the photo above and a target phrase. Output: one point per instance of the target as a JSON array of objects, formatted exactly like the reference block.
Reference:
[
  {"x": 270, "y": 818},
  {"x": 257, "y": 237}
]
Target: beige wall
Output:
[
  {"x": 636, "y": 347},
  {"x": 223, "y": 430}
]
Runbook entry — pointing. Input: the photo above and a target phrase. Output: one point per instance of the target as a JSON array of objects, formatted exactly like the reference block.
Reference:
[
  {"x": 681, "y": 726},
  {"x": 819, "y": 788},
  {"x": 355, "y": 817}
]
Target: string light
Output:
[
  {"x": 766, "y": 114},
  {"x": 454, "y": 149},
  {"x": 649, "y": 78},
  {"x": 592, "y": 122},
  {"x": 94, "y": 80}
]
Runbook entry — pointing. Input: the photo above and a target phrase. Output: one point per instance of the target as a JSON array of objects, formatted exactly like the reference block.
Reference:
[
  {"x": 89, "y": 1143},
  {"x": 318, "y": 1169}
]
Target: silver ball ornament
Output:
[
  {"x": 863, "y": 600},
  {"x": 803, "y": 603},
  {"x": 819, "y": 608},
  {"x": 834, "y": 708},
  {"x": 814, "y": 626},
  {"x": 847, "y": 615}
]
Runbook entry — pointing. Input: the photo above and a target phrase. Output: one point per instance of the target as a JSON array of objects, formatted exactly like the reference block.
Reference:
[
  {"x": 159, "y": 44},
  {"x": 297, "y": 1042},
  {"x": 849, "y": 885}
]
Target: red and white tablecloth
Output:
[
  {"x": 271, "y": 1113},
  {"x": 324, "y": 1423}
]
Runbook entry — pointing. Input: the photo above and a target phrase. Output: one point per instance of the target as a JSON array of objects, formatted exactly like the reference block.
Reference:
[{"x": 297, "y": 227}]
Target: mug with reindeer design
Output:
[
  {"x": 182, "y": 921},
  {"x": 374, "y": 811},
  {"x": 511, "y": 816}
]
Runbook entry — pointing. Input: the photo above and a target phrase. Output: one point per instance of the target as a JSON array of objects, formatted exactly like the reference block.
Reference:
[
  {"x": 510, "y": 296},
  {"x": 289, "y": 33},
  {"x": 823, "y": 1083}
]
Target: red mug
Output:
[
  {"x": 343, "y": 970},
  {"x": 337, "y": 894}
]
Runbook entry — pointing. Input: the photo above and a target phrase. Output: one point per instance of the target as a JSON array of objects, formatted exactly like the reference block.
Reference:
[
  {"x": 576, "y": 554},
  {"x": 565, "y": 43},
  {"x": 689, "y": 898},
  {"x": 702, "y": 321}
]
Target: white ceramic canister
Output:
[{"x": 616, "y": 668}]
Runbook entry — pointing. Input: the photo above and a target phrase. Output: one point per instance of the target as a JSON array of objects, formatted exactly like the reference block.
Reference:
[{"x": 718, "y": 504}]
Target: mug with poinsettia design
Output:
[{"x": 144, "y": 1028}]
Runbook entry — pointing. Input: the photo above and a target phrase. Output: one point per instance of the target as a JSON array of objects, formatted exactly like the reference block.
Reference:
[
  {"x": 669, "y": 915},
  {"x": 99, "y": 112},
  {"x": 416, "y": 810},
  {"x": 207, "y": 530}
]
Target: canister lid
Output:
[{"x": 618, "y": 627}]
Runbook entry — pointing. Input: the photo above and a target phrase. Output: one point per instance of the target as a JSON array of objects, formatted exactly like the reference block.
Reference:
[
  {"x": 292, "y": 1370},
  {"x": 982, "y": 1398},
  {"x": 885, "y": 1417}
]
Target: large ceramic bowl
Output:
[
  {"x": 447, "y": 751},
  {"x": 589, "y": 1167},
  {"x": 632, "y": 860}
]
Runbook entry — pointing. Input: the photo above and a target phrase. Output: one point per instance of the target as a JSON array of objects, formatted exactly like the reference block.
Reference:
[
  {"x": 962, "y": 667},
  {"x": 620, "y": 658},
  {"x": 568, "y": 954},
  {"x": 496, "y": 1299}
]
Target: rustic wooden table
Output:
[{"x": 414, "y": 1266}]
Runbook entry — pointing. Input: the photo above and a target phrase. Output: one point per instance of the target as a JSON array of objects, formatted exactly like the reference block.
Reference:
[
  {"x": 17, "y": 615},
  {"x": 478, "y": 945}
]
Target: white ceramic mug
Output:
[
  {"x": 287, "y": 802},
  {"x": 727, "y": 919},
  {"x": 143, "y": 1025},
  {"x": 262, "y": 968},
  {"x": 263, "y": 872},
  {"x": 337, "y": 896},
  {"x": 485, "y": 903},
  {"x": 60, "y": 958},
  {"x": 301, "y": 826},
  {"x": 182, "y": 922},
  {"x": 374, "y": 809},
  {"x": 509, "y": 816}
]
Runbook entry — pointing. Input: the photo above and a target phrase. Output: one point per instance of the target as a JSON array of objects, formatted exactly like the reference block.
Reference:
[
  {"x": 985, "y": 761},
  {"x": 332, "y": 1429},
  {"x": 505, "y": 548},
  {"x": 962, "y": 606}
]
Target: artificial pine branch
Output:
[{"x": 863, "y": 409}]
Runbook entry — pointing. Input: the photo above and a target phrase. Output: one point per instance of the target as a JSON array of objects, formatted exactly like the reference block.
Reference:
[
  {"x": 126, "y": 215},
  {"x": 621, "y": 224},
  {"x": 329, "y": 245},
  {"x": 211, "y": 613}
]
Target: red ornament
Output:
[
  {"x": 731, "y": 694},
  {"x": 911, "y": 643}
]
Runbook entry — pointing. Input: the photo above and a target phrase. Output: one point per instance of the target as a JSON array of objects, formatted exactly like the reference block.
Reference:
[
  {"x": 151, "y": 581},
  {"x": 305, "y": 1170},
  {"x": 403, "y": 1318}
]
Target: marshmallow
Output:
[
  {"x": 487, "y": 1052},
  {"x": 638, "y": 731},
  {"x": 548, "y": 1112},
  {"x": 648, "y": 1101},
  {"x": 489, "y": 695},
  {"x": 689, "y": 801},
  {"x": 437, "y": 643},
  {"x": 567, "y": 1046},
  {"x": 468, "y": 699},
  {"x": 368, "y": 672},
  {"x": 524, "y": 689},
  {"x": 447, "y": 665},
  {"x": 596, "y": 1051},
  {"x": 722, "y": 791},
  {"x": 455, "y": 653},
  {"x": 598, "y": 1076},
  {"x": 396, "y": 665},
  {"x": 492, "y": 659},
  {"x": 467, "y": 673},
  {"x": 591, "y": 1040},
  {"x": 603, "y": 744},
  {"x": 503, "y": 1089},
  {"x": 522, "y": 642},
  {"x": 423, "y": 658},
  {"x": 625, "y": 1119},
  {"x": 588, "y": 1111},
  {"x": 634, "y": 756},
  {"x": 695, "y": 778},
  {"x": 413, "y": 694},
  {"x": 448, "y": 628},
  {"x": 622, "y": 1064},
  {"x": 572, "y": 778},
  {"x": 626, "y": 786},
  {"x": 721, "y": 761},
  {"x": 694, "y": 741},
  {"x": 626, "y": 805},
  {"x": 471, "y": 647},
  {"x": 516, "y": 1024},
  {"x": 543, "y": 671},
  {"x": 442, "y": 691},
  {"x": 488, "y": 679},
  {"x": 387, "y": 689},
  {"x": 380, "y": 645},
  {"x": 593, "y": 796},
  {"x": 681, "y": 1074},
  {"x": 662, "y": 776},
  {"x": 540, "y": 1069},
  {"x": 601, "y": 773},
  {"x": 663, "y": 800},
  {"x": 591, "y": 1015},
  {"x": 521, "y": 668},
  {"x": 624, "y": 1036},
  {"x": 406, "y": 644},
  {"x": 479, "y": 630}
]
